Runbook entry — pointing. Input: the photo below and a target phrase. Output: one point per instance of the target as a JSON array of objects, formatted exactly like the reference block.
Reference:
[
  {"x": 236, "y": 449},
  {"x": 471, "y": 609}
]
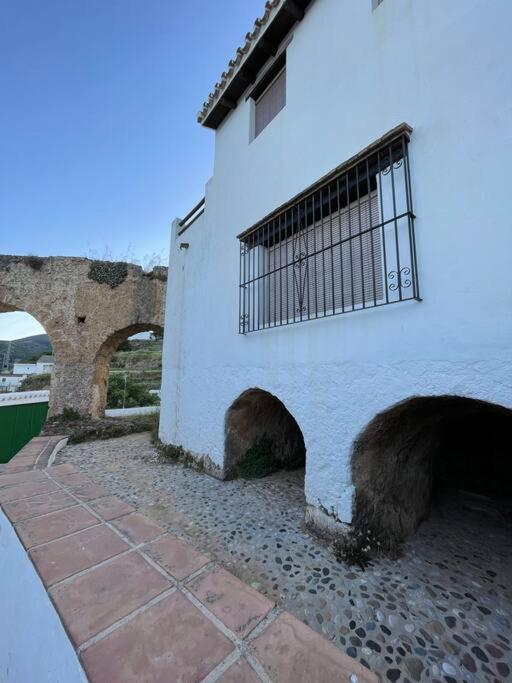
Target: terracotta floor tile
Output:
[
  {"x": 71, "y": 479},
  {"x": 59, "y": 559},
  {"x": 291, "y": 652},
  {"x": 235, "y": 603},
  {"x": 54, "y": 525},
  {"x": 179, "y": 558},
  {"x": 65, "y": 468},
  {"x": 25, "y": 460},
  {"x": 27, "y": 454},
  {"x": 12, "y": 468},
  {"x": 138, "y": 528},
  {"x": 110, "y": 507},
  {"x": 26, "y": 477},
  {"x": 96, "y": 600},
  {"x": 86, "y": 492},
  {"x": 37, "y": 505},
  {"x": 170, "y": 642},
  {"x": 240, "y": 672},
  {"x": 26, "y": 490}
]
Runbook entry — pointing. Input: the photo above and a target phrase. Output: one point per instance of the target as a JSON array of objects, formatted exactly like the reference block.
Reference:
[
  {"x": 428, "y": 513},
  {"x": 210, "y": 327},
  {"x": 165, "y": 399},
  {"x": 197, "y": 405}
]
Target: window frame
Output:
[{"x": 262, "y": 87}]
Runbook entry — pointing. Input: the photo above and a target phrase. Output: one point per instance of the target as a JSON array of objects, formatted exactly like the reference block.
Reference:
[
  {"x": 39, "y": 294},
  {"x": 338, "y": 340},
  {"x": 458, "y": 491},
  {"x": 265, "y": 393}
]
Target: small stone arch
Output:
[
  {"x": 409, "y": 453},
  {"x": 258, "y": 415},
  {"x": 103, "y": 358}
]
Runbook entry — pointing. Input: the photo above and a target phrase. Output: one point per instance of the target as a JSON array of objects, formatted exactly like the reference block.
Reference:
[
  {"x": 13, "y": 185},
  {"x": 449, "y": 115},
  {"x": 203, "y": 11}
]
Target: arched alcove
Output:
[
  {"x": 261, "y": 436},
  {"x": 425, "y": 451}
]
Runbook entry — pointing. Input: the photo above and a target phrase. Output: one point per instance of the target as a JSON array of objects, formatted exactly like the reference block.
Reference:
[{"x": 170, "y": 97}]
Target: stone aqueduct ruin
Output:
[{"x": 87, "y": 309}]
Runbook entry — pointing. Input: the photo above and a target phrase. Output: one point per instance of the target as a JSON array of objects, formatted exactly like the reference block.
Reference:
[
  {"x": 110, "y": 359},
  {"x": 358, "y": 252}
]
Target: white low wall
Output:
[
  {"x": 125, "y": 412},
  {"x": 15, "y": 398},
  {"x": 33, "y": 643}
]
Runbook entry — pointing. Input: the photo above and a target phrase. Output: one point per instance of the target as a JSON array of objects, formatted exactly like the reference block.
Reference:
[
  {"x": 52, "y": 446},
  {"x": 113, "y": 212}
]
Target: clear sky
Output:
[{"x": 99, "y": 144}]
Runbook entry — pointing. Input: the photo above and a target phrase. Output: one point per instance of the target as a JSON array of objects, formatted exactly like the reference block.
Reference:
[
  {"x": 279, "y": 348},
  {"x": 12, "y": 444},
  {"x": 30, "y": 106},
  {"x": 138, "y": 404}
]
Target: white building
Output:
[
  {"x": 362, "y": 154},
  {"x": 44, "y": 365},
  {"x": 10, "y": 382}
]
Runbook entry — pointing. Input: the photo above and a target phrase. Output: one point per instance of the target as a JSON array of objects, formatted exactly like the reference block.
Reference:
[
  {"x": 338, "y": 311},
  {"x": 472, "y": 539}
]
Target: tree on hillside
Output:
[
  {"x": 124, "y": 346},
  {"x": 125, "y": 392}
]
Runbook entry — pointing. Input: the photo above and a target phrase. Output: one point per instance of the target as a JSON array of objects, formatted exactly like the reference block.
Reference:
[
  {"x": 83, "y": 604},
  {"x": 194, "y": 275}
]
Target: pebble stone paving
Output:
[{"x": 440, "y": 613}]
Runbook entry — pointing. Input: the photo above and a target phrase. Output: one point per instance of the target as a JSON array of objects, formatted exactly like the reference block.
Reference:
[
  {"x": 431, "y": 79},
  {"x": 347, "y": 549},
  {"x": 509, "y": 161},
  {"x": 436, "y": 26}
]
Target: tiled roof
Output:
[{"x": 271, "y": 8}]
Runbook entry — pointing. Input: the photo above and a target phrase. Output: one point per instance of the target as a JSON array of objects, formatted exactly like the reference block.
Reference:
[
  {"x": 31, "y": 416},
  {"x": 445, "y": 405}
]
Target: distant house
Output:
[
  {"x": 44, "y": 365},
  {"x": 10, "y": 382}
]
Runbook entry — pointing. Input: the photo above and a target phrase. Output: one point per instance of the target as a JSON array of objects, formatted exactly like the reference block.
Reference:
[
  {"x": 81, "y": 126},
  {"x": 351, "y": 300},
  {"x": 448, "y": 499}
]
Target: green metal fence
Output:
[{"x": 19, "y": 424}]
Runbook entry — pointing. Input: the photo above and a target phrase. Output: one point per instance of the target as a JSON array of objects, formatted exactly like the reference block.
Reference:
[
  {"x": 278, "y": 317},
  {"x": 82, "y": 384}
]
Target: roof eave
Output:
[{"x": 226, "y": 95}]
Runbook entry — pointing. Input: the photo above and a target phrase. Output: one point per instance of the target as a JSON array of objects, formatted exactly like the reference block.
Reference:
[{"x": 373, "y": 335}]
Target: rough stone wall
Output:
[
  {"x": 87, "y": 308},
  {"x": 256, "y": 414}
]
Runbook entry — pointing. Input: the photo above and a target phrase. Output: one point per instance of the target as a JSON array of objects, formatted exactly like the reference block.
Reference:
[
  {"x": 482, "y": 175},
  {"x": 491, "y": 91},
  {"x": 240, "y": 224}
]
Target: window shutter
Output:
[{"x": 271, "y": 102}]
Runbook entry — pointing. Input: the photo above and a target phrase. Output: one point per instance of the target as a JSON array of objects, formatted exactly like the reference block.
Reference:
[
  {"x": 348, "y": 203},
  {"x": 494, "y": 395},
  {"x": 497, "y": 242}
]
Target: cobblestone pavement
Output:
[{"x": 441, "y": 613}]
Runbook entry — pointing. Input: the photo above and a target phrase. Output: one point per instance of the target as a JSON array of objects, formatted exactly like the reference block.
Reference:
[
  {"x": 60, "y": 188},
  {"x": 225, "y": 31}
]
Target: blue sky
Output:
[{"x": 99, "y": 144}]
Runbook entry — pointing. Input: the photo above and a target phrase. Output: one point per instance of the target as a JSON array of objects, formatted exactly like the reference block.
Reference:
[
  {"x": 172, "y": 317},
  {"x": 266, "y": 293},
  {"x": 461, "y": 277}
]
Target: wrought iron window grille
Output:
[{"x": 347, "y": 245}]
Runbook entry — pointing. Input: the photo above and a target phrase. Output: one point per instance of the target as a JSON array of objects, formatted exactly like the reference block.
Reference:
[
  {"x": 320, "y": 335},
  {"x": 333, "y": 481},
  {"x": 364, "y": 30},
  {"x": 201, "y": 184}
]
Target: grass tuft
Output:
[{"x": 259, "y": 460}]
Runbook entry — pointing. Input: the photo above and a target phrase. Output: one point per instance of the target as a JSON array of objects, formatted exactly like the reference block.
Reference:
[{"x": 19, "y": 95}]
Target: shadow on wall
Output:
[
  {"x": 410, "y": 454},
  {"x": 261, "y": 436}
]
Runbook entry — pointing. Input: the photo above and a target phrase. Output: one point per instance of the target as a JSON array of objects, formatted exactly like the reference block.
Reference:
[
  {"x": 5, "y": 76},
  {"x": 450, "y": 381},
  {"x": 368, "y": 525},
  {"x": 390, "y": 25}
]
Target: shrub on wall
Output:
[
  {"x": 34, "y": 262},
  {"x": 111, "y": 273}
]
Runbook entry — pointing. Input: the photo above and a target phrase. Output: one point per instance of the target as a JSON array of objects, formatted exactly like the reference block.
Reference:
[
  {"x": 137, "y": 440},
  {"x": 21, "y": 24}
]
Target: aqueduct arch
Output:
[{"x": 86, "y": 307}]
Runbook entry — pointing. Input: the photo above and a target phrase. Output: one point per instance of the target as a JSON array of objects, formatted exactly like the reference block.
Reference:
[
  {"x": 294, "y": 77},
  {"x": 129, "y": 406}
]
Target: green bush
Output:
[
  {"x": 111, "y": 273},
  {"x": 36, "y": 382},
  {"x": 125, "y": 392},
  {"x": 70, "y": 415},
  {"x": 259, "y": 460},
  {"x": 124, "y": 346}
]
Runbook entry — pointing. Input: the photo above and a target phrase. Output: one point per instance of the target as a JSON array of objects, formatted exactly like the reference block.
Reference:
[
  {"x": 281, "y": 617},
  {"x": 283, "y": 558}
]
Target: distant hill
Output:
[{"x": 27, "y": 348}]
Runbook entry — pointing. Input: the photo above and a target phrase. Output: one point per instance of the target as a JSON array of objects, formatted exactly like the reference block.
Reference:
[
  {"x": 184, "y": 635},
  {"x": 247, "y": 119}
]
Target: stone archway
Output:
[
  {"x": 257, "y": 417},
  {"x": 408, "y": 454},
  {"x": 82, "y": 304},
  {"x": 103, "y": 358}
]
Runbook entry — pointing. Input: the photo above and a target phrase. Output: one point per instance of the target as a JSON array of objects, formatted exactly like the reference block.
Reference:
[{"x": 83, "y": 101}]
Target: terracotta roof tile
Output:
[{"x": 271, "y": 7}]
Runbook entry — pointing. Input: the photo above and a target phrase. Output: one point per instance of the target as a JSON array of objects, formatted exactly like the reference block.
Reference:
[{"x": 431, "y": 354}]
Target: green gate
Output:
[{"x": 18, "y": 424}]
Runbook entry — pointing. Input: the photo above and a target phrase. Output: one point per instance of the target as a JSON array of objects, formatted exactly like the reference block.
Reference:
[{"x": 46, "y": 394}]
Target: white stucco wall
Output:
[
  {"x": 25, "y": 368},
  {"x": 11, "y": 381},
  {"x": 352, "y": 75},
  {"x": 33, "y": 643}
]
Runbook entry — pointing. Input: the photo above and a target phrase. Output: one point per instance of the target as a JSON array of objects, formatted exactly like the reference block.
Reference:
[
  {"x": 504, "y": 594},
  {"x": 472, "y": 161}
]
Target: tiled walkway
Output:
[
  {"x": 441, "y": 613},
  {"x": 140, "y": 604}
]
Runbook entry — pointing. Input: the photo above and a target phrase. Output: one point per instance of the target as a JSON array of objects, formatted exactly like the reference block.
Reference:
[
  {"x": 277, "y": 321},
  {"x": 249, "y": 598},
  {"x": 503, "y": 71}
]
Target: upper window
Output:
[{"x": 270, "y": 95}]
